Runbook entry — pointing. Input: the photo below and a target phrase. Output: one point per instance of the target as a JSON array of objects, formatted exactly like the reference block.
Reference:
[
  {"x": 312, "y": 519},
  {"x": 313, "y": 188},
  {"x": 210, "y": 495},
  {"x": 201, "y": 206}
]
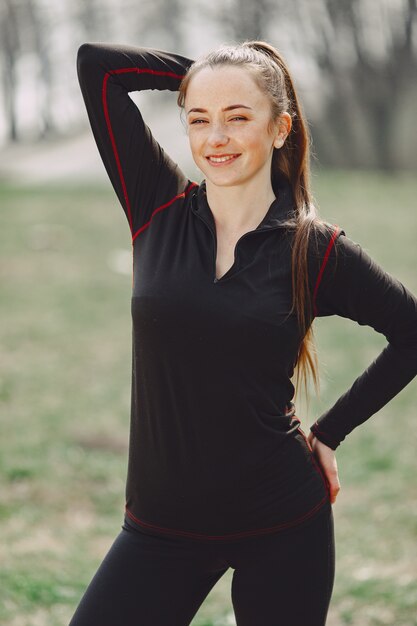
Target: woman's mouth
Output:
[{"x": 221, "y": 159}]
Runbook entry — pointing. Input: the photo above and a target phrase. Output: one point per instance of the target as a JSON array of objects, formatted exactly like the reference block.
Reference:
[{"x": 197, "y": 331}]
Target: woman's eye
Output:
[
  {"x": 239, "y": 118},
  {"x": 197, "y": 121}
]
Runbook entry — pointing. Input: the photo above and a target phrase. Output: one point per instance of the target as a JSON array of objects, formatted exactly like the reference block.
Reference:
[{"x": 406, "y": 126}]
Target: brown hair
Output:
[{"x": 292, "y": 159}]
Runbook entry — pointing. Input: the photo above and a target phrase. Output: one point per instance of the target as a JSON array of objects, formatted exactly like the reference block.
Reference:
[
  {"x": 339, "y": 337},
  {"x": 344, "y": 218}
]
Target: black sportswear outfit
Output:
[{"x": 216, "y": 452}]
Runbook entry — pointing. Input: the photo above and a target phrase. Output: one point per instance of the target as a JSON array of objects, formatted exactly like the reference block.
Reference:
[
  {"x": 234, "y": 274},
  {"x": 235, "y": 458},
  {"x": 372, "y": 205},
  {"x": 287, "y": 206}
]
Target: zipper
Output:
[{"x": 226, "y": 276}]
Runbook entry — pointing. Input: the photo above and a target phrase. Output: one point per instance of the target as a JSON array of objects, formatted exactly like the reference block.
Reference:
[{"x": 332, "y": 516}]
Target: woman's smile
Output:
[{"x": 219, "y": 160}]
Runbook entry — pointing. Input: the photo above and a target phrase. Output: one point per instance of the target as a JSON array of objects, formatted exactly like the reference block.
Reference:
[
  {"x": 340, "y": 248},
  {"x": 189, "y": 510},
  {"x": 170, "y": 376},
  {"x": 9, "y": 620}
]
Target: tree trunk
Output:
[{"x": 9, "y": 45}]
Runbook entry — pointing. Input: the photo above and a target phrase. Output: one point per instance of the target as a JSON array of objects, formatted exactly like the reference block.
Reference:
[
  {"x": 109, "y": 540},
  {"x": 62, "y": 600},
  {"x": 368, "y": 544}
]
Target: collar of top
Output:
[{"x": 281, "y": 209}]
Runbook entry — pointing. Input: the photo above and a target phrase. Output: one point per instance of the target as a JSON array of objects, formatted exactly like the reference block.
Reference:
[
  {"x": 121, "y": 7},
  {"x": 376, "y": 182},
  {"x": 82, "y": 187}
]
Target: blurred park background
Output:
[{"x": 65, "y": 272}]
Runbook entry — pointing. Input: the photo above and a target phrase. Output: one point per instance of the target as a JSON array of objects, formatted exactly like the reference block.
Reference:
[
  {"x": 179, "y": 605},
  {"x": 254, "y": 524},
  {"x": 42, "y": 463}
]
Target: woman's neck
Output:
[{"x": 241, "y": 207}]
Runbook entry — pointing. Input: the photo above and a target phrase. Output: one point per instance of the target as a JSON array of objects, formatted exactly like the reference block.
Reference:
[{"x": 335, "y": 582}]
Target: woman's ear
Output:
[{"x": 283, "y": 128}]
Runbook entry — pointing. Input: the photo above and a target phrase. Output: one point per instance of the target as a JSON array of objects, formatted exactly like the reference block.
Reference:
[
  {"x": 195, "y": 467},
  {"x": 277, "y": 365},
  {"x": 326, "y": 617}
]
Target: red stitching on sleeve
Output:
[
  {"x": 323, "y": 265},
  {"x": 320, "y": 432},
  {"x": 145, "y": 70},
  {"x": 109, "y": 126},
  {"x": 164, "y": 206}
]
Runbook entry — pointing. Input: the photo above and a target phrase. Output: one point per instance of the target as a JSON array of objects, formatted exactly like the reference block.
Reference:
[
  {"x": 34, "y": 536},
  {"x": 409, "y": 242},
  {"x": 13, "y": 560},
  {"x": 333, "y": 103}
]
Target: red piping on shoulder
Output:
[
  {"x": 323, "y": 265},
  {"x": 164, "y": 206}
]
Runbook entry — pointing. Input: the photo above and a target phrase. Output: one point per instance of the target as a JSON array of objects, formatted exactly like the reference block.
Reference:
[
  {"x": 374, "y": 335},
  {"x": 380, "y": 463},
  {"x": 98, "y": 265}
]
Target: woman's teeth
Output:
[{"x": 222, "y": 159}]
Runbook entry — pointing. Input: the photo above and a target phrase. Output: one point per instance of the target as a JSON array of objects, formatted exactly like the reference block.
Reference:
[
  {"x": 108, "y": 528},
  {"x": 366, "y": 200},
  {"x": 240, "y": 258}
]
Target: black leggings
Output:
[{"x": 281, "y": 579}]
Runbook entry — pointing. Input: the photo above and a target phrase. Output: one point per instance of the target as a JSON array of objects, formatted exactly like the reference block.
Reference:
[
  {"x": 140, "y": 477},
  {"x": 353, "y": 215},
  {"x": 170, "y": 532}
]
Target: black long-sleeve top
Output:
[{"x": 216, "y": 450}]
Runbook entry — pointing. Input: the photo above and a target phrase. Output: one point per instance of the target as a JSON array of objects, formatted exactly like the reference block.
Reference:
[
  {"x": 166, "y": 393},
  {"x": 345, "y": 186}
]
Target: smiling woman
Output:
[
  {"x": 255, "y": 73},
  {"x": 228, "y": 276},
  {"x": 233, "y": 144}
]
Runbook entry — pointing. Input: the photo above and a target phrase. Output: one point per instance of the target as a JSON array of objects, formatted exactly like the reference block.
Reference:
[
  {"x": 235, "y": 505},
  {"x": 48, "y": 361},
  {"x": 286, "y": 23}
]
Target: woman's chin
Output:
[{"x": 223, "y": 180}]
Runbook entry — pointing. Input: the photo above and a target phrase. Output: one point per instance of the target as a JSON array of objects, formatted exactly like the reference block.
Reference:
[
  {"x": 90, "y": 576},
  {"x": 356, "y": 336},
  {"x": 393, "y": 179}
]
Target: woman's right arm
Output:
[{"x": 142, "y": 174}]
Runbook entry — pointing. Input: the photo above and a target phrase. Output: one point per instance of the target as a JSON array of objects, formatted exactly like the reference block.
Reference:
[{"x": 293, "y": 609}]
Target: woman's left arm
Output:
[{"x": 349, "y": 283}]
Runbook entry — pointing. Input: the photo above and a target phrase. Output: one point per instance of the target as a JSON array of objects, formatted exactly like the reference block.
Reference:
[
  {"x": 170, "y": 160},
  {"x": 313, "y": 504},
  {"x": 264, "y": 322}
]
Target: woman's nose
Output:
[{"x": 218, "y": 136}]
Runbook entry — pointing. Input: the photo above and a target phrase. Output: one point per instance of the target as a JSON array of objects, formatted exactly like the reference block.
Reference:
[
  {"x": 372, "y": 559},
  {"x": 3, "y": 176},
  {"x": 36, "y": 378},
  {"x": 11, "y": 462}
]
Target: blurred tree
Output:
[
  {"x": 22, "y": 32},
  {"x": 10, "y": 50},
  {"x": 157, "y": 23},
  {"x": 368, "y": 61},
  {"x": 34, "y": 31},
  {"x": 167, "y": 16},
  {"x": 247, "y": 19},
  {"x": 93, "y": 18},
  {"x": 241, "y": 19}
]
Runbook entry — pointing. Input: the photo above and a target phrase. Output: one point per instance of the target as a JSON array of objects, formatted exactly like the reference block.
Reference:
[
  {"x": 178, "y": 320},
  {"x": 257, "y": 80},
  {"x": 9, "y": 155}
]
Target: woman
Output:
[{"x": 228, "y": 276}]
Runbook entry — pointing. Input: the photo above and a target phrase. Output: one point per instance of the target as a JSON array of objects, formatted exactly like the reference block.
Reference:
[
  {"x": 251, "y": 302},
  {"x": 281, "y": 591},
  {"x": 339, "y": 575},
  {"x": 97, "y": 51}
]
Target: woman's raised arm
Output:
[{"x": 142, "y": 174}]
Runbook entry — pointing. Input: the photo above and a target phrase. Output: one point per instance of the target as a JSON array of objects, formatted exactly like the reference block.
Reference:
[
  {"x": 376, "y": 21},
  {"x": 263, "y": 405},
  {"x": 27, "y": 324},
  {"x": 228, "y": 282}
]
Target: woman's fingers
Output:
[
  {"x": 327, "y": 460},
  {"x": 334, "y": 484}
]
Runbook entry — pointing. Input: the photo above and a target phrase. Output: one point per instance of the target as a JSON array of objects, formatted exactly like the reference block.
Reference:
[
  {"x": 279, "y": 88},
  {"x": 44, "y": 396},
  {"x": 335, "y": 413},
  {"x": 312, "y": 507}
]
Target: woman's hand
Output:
[{"x": 327, "y": 460}]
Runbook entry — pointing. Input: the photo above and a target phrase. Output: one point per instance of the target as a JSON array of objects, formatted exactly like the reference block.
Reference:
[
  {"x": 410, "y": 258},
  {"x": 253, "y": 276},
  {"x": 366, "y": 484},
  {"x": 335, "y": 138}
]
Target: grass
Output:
[{"x": 65, "y": 403}]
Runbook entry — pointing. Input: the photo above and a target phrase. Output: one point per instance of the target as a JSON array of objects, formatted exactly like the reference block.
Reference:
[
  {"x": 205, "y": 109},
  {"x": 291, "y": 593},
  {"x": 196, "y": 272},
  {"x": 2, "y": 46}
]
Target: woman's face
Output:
[{"x": 229, "y": 126}]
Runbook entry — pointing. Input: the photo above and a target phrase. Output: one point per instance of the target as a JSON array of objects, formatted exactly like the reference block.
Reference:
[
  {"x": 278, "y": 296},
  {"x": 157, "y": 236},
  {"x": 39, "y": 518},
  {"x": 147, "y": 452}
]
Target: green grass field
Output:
[{"x": 65, "y": 401}]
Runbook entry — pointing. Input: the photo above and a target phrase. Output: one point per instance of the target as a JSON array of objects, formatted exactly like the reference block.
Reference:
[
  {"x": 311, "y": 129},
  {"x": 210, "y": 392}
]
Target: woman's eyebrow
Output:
[{"x": 229, "y": 108}]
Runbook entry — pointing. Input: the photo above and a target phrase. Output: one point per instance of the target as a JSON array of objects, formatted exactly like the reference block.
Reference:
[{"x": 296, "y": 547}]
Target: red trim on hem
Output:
[
  {"x": 110, "y": 129},
  {"x": 164, "y": 206},
  {"x": 323, "y": 265},
  {"x": 247, "y": 533}
]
